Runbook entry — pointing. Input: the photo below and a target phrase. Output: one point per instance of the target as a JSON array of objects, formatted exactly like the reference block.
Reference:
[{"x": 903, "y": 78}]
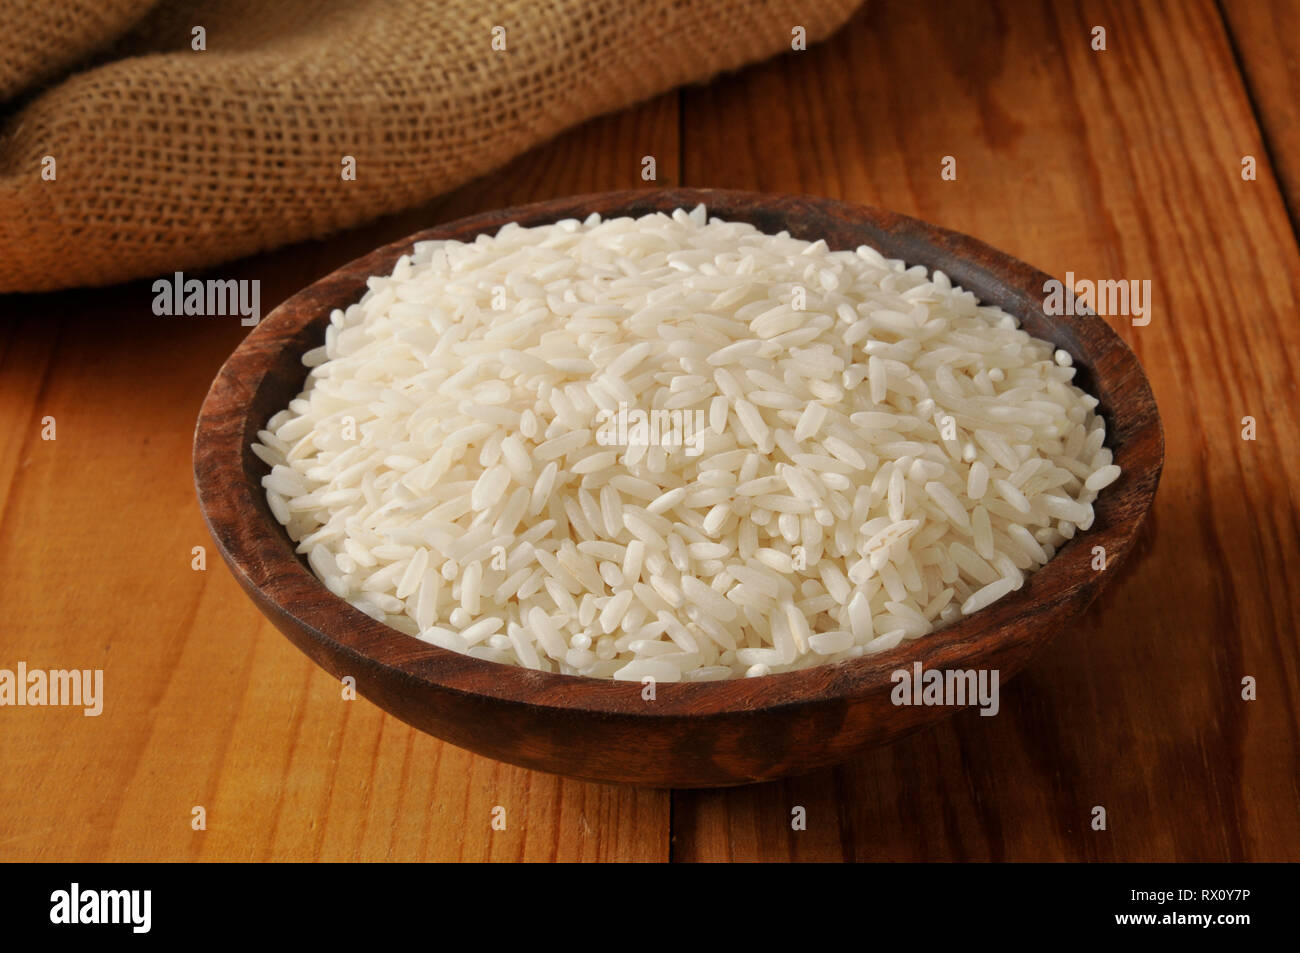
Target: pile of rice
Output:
[{"x": 849, "y": 453}]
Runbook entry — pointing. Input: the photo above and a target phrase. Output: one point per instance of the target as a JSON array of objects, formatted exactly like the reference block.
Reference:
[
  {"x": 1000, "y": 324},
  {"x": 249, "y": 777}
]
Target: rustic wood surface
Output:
[
  {"x": 1265, "y": 36},
  {"x": 1117, "y": 164}
]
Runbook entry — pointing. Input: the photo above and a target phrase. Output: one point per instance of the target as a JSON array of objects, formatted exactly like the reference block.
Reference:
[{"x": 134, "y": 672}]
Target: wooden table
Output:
[{"x": 1123, "y": 163}]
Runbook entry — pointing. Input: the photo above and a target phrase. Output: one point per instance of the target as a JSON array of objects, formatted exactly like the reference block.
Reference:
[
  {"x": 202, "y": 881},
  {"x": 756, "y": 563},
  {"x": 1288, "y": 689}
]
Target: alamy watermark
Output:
[
  {"x": 37, "y": 687},
  {"x": 130, "y": 907},
  {"x": 946, "y": 687},
  {"x": 178, "y": 295},
  {"x": 1126, "y": 297},
  {"x": 668, "y": 429}
]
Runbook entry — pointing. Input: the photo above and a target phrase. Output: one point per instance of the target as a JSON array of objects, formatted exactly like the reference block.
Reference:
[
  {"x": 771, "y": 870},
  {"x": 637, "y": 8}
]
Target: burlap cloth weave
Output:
[{"x": 169, "y": 158}]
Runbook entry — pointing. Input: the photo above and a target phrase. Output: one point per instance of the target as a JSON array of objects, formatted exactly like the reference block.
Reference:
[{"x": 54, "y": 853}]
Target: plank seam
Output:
[{"x": 1256, "y": 115}]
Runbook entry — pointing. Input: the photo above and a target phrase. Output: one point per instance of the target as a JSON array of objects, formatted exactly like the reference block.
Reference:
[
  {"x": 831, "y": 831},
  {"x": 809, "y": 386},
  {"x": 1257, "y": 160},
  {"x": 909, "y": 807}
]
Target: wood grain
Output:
[
  {"x": 206, "y": 703},
  {"x": 1115, "y": 164},
  {"x": 1265, "y": 35}
]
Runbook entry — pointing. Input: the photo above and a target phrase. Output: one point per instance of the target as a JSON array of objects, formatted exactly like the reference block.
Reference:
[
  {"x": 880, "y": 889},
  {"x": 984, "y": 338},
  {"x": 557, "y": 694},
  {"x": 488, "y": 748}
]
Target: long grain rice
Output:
[{"x": 818, "y": 483}]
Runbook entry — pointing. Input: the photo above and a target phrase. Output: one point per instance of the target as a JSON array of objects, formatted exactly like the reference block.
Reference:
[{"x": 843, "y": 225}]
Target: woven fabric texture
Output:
[
  {"x": 164, "y": 157},
  {"x": 39, "y": 38}
]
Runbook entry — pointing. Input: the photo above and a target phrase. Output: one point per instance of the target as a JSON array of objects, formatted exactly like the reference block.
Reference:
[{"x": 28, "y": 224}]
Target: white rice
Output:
[{"x": 866, "y": 468}]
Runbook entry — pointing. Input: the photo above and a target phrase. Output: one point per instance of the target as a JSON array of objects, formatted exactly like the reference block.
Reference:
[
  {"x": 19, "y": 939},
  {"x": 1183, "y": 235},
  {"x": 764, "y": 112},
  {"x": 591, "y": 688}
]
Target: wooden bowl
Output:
[{"x": 691, "y": 734}]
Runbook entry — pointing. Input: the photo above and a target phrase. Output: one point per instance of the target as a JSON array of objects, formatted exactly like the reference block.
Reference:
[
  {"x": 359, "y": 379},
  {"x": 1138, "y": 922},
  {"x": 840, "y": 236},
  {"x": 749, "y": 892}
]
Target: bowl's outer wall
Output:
[{"x": 689, "y": 735}]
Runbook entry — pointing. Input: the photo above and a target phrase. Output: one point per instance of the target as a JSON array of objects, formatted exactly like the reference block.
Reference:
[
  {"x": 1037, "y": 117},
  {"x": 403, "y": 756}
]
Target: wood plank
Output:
[
  {"x": 1116, "y": 164},
  {"x": 1265, "y": 35},
  {"x": 206, "y": 703}
]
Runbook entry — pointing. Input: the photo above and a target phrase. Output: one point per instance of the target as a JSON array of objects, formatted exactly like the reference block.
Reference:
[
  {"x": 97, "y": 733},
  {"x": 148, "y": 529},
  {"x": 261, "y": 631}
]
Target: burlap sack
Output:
[
  {"x": 169, "y": 158},
  {"x": 40, "y": 39}
]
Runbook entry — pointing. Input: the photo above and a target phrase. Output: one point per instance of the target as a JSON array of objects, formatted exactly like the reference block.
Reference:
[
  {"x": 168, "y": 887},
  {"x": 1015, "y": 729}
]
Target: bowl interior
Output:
[{"x": 266, "y": 372}]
